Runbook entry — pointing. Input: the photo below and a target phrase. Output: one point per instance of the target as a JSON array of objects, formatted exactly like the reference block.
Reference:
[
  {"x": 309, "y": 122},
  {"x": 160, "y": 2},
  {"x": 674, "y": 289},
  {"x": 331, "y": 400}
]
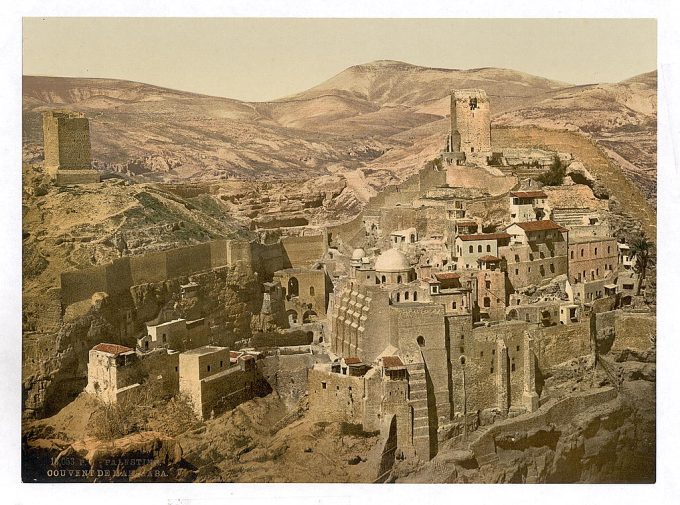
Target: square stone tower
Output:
[
  {"x": 66, "y": 140},
  {"x": 470, "y": 121}
]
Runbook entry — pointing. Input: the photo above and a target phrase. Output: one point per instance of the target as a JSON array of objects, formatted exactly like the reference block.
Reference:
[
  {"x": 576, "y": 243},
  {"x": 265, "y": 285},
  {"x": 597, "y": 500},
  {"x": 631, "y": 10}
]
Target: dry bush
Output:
[{"x": 113, "y": 421}]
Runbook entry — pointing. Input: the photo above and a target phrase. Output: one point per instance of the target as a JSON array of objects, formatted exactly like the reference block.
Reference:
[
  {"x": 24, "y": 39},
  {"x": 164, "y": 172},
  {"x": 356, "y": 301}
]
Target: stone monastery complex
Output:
[{"x": 435, "y": 311}]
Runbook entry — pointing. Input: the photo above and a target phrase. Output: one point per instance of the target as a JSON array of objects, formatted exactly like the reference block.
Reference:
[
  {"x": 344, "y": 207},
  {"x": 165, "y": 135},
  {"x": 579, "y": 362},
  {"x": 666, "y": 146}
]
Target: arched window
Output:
[
  {"x": 581, "y": 253},
  {"x": 453, "y": 305},
  {"x": 383, "y": 279},
  {"x": 397, "y": 296},
  {"x": 479, "y": 248},
  {"x": 472, "y": 249},
  {"x": 293, "y": 287},
  {"x": 398, "y": 279},
  {"x": 406, "y": 295},
  {"x": 413, "y": 238},
  {"x": 421, "y": 341},
  {"x": 415, "y": 296},
  {"x": 488, "y": 248},
  {"x": 596, "y": 251},
  {"x": 311, "y": 290},
  {"x": 572, "y": 254}
]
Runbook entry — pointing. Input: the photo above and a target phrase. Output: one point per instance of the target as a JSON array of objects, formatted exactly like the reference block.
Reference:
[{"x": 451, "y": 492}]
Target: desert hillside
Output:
[{"x": 371, "y": 123}]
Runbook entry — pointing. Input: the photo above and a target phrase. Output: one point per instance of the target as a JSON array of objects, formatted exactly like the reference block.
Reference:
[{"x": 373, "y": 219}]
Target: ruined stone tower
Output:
[
  {"x": 470, "y": 122},
  {"x": 66, "y": 138}
]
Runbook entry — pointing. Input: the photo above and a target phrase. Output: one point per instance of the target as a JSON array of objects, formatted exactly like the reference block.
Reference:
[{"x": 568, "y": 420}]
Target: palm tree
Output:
[{"x": 640, "y": 250}]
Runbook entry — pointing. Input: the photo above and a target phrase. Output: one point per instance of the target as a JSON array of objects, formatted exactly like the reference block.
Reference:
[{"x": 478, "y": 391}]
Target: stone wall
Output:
[
  {"x": 227, "y": 390},
  {"x": 290, "y": 252},
  {"x": 592, "y": 259},
  {"x": 619, "y": 331},
  {"x": 337, "y": 397},
  {"x": 287, "y": 374},
  {"x": 557, "y": 344},
  {"x": 534, "y": 264},
  {"x": 634, "y": 331},
  {"x": 418, "y": 328},
  {"x": 352, "y": 234},
  {"x": 551, "y": 413},
  {"x": 117, "y": 277}
]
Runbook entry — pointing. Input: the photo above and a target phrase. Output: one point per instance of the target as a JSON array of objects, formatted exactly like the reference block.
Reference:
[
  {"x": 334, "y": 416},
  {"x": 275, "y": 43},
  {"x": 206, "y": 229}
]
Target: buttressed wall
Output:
[{"x": 470, "y": 121}]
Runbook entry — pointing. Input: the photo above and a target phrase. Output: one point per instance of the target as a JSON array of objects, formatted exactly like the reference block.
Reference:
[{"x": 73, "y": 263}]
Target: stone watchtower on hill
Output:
[
  {"x": 66, "y": 140},
  {"x": 470, "y": 123}
]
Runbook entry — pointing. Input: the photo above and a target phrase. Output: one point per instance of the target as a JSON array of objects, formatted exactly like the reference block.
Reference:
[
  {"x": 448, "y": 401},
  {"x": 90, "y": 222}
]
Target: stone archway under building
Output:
[
  {"x": 292, "y": 317},
  {"x": 309, "y": 316}
]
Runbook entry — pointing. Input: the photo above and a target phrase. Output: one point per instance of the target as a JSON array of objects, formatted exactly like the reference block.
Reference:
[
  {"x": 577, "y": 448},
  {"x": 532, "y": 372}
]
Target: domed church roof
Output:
[
  {"x": 392, "y": 260},
  {"x": 358, "y": 254}
]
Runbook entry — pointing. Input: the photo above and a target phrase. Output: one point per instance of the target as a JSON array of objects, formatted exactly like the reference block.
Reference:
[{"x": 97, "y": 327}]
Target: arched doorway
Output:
[
  {"x": 292, "y": 317},
  {"x": 513, "y": 315},
  {"x": 309, "y": 316},
  {"x": 293, "y": 287}
]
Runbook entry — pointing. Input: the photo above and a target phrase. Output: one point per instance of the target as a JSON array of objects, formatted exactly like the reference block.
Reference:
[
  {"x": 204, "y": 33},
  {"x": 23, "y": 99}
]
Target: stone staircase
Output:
[
  {"x": 418, "y": 400},
  {"x": 570, "y": 217}
]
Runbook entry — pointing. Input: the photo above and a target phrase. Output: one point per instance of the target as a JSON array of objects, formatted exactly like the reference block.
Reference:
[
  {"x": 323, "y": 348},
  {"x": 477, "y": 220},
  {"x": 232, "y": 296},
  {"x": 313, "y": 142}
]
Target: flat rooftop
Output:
[{"x": 206, "y": 349}]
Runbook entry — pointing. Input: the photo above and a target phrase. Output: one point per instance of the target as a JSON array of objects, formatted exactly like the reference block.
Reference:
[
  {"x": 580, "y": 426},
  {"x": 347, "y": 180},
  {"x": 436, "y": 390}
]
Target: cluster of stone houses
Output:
[
  {"x": 428, "y": 327},
  {"x": 408, "y": 322}
]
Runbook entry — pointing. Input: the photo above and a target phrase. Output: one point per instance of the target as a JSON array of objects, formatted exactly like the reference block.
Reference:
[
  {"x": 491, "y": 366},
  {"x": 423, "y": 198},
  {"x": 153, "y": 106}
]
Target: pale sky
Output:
[{"x": 267, "y": 58}]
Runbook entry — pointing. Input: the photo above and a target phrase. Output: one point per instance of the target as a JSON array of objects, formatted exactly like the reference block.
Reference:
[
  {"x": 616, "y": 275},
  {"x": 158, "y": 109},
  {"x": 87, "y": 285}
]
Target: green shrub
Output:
[{"x": 554, "y": 176}]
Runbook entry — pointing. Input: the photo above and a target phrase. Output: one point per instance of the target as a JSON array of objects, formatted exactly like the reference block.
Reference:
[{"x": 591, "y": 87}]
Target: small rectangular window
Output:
[{"x": 323, "y": 385}]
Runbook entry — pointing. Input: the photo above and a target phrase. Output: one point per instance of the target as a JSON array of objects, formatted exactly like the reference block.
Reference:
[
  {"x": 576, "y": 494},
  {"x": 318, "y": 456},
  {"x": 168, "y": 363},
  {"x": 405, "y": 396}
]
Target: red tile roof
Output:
[
  {"x": 484, "y": 236},
  {"x": 111, "y": 348},
  {"x": 488, "y": 257},
  {"x": 392, "y": 362},
  {"x": 532, "y": 226},
  {"x": 352, "y": 360},
  {"x": 528, "y": 194},
  {"x": 446, "y": 275}
]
